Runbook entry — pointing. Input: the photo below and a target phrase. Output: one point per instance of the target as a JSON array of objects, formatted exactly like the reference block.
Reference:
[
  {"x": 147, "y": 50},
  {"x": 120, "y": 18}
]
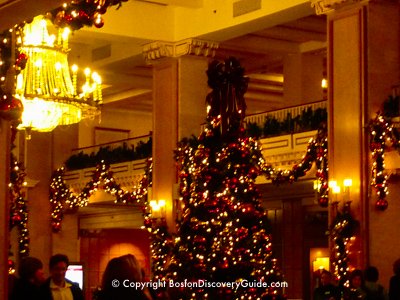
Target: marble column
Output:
[
  {"x": 179, "y": 91},
  {"x": 363, "y": 65}
]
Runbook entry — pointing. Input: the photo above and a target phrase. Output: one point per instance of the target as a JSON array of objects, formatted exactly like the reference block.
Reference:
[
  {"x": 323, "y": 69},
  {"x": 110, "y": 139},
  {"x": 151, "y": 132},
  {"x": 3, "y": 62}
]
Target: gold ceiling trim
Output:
[
  {"x": 325, "y": 6},
  {"x": 159, "y": 49}
]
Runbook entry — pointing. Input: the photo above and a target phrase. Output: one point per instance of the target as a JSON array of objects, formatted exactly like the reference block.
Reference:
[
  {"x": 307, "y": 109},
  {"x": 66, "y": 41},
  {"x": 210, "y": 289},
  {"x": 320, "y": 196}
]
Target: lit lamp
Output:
[
  {"x": 157, "y": 209},
  {"x": 320, "y": 263},
  {"x": 336, "y": 189},
  {"x": 48, "y": 93},
  {"x": 324, "y": 83}
]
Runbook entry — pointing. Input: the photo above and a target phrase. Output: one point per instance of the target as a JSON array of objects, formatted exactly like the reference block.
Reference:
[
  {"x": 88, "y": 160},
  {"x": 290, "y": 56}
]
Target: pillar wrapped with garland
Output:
[
  {"x": 18, "y": 207},
  {"x": 223, "y": 234},
  {"x": 343, "y": 228}
]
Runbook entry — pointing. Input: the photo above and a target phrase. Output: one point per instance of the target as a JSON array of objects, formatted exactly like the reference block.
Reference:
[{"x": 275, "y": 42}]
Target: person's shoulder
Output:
[{"x": 74, "y": 284}]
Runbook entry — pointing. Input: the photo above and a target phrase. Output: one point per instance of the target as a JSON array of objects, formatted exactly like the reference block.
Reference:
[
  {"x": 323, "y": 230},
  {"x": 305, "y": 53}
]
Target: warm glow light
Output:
[
  {"x": 317, "y": 185},
  {"x": 336, "y": 189},
  {"x": 321, "y": 263},
  {"x": 347, "y": 182},
  {"x": 324, "y": 83},
  {"x": 332, "y": 183},
  {"x": 154, "y": 205},
  {"x": 45, "y": 86}
]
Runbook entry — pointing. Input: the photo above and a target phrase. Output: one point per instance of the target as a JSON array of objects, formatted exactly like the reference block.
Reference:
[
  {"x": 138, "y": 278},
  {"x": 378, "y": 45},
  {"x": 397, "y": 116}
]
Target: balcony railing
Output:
[
  {"x": 128, "y": 174},
  {"x": 281, "y": 114},
  {"x": 286, "y": 150},
  {"x": 281, "y": 151},
  {"x": 127, "y": 157}
]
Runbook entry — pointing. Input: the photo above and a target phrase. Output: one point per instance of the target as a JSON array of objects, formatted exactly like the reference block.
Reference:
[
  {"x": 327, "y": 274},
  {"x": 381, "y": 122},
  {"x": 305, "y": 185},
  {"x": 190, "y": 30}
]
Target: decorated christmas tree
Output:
[{"x": 223, "y": 248}]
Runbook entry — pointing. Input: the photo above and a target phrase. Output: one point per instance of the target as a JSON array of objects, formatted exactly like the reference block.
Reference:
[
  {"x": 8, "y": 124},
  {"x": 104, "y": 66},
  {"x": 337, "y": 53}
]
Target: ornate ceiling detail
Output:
[
  {"x": 325, "y": 6},
  {"x": 157, "y": 50}
]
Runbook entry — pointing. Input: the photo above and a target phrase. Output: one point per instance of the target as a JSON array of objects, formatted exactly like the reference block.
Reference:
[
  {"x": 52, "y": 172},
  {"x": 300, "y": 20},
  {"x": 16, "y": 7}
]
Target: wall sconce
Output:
[
  {"x": 324, "y": 83},
  {"x": 321, "y": 263},
  {"x": 336, "y": 189},
  {"x": 158, "y": 209}
]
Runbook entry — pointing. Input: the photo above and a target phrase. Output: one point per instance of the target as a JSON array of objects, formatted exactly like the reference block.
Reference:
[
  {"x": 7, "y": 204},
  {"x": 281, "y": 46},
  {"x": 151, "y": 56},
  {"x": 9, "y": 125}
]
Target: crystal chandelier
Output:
[{"x": 47, "y": 86}]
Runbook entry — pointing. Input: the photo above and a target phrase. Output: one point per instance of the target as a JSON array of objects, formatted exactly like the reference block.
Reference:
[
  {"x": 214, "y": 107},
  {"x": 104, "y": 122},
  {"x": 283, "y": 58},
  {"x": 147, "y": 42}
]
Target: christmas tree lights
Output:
[
  {"x": 223, "y": 232},
  {"x": 317, "y": 151}
]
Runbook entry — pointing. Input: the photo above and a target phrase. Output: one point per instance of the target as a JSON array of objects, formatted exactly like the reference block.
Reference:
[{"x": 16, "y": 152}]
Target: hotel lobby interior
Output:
[{"x": 109, "y": 175}]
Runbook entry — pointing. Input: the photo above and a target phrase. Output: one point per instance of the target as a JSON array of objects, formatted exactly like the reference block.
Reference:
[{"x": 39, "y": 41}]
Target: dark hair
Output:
[
  {"x": 371, "y": 274},
  {"x": 122, "y": 268},
  {"x": 28, "y": 267},
  {"x": 396, "y": 267},
  {"x": 357, "y": 273},
  {"x": 55, "y": 259},
  {"x": 326, "y": 272}
]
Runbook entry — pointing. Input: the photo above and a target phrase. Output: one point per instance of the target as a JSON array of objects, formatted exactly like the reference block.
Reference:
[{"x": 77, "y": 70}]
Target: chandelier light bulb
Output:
[{"x": 47, "y": 86}]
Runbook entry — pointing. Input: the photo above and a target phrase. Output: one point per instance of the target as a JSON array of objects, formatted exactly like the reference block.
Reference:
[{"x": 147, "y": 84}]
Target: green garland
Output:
[
  {"x": 342, "y": 229},
  {"x": 383, "y": 135},
  {"x": 63, "y": 199},
  {"x": 110, "y": 155},
  {"x": 308, "y": 120},
  {"x": 18, "y": 207}
]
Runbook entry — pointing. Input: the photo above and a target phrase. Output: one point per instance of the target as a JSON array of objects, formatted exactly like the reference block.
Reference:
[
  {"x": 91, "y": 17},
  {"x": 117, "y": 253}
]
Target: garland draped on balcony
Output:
[
  {"x": 317, "y": 151},
  {"x": 63, "y": 199}
]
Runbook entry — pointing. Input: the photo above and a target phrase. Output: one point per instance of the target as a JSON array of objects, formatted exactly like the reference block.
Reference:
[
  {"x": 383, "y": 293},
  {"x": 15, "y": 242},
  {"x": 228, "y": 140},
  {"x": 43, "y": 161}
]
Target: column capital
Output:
[
  {"x": 326, "y": 6},
  {"x": 160, "y": 49}
]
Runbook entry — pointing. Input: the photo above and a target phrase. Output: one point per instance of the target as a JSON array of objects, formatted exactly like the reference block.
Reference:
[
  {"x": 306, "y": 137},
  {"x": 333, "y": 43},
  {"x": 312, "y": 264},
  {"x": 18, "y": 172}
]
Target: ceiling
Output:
[{"x": 128, "y": 79}]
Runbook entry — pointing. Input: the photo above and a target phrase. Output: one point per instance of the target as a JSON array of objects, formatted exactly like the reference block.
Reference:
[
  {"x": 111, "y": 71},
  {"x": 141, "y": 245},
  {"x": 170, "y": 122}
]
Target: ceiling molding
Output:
[
  {"x": 326, "y": 6},
  {"x": 159, "y": 49}
]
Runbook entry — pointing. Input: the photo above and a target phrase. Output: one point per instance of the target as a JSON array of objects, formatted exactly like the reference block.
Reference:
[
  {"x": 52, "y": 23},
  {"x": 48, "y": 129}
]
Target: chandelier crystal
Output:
[{"x": 47, "y": 86}]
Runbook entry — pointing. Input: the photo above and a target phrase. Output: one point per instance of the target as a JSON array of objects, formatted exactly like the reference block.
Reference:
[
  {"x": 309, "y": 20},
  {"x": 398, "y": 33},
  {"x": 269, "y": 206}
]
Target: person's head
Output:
[
  {"x": 396, "y": 267},
  {"x": 356, "y": 279},
  {"x": 58, "y": 265},
  {"x": 326, "y": 277},
  {"x": 31, "y": 269},
  {"x": 371, "y": 274},
  {"x": 121, "y": 268}
]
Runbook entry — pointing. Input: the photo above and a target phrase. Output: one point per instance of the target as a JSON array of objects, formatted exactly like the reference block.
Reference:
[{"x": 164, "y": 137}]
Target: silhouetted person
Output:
[
  {"x": 374, "y": 290},
  {"x": 326, "y": 290},
  {"x": 31, "y": 277},
  {"x": 122, "y": 271},
  {"x": 394, "y": 284},
  {"x": 357, "y": 290},
  {"x": 57, "y": 287}
]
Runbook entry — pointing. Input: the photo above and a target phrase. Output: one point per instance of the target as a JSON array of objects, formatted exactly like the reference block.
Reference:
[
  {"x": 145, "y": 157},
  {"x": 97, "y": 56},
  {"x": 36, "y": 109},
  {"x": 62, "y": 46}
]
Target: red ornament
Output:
[
  {"x": 199, "y": 239},
  {"x": 20, "y": 61},
  {"x": 16, "y": 218},
  {"x": 68, "y": 19},
  {"x": 247, "y": 208},
  {"x": 323, "y": 201},
  {"x": 83, "y": 15},
  {"x": 56, "y": 227},
  {"x": 381, "y": 204},
  {"x": 11, "y": 109},
  {"x": 11, "y": 264},
  {"x": 98, "y": 20},
  {"x": 148, "y": 222},
  {"x": 253, "y": 172}
]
